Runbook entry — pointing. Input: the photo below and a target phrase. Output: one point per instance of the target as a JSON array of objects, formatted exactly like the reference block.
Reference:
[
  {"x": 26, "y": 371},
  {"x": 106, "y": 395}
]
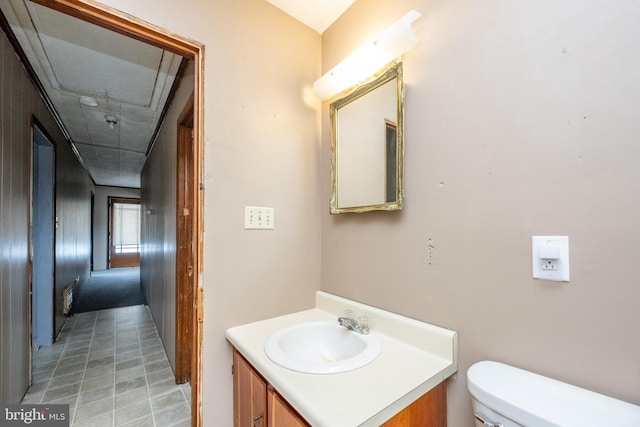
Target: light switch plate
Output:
[
  {"x": 259, "y": 218},
  {"x": 550, "y": 269}
]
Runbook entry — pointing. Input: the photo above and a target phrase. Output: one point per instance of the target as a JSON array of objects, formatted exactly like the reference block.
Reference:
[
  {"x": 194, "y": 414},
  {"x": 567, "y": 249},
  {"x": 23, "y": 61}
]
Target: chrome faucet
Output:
[{"x": 360, "y": 326}]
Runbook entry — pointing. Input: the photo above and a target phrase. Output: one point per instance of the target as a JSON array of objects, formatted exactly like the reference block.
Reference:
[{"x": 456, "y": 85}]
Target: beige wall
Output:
[
  {"x": 518, "y": 123},
  {"x": 521, "y": 120},
  {"x": 20, "y": 104},
  {"x": 261, "y": 149}
]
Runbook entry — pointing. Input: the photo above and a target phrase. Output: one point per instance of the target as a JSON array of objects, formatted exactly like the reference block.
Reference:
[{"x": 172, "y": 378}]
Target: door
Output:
[
  {"x": 186, "y": 247},
  {"x": 124, "y": 24},
  {"x": 281, "y": 414},
  {"x": 43, "y": 234},
  {"x": 124, "y": 232},
  {"x": 249, "y": 395},
  {"x": 93, "y": 209}
]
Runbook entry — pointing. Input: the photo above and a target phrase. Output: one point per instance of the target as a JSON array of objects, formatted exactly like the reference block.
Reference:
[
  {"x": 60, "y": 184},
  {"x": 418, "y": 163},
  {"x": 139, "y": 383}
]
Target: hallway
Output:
[
  {"x": 115, "y": 287},
  {"x": 112, "y": 370}
]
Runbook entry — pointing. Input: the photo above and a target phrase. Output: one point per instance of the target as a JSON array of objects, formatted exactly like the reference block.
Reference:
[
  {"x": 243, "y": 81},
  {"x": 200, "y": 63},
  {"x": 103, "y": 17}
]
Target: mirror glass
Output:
[{"x": 366, "y": 145}]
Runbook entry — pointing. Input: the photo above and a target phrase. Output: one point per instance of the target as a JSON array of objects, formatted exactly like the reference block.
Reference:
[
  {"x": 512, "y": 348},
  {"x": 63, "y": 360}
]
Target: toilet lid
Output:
[{"x": 534, "y": 400}]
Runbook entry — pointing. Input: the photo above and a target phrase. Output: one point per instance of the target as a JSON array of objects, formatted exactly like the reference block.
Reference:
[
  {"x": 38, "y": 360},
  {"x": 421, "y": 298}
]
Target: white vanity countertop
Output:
[{"x": 415, "y": 357}]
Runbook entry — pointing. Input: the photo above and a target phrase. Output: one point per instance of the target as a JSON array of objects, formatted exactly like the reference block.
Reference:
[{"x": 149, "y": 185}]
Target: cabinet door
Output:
[
  {"x": 249, "y": 395},
  {"x": 428, "y": 411},
  {"x": 280, "y": 413}
]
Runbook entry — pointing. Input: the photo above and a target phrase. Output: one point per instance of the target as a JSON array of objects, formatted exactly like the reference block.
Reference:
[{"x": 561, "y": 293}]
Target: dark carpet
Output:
[{"x": 116, "y": 287}]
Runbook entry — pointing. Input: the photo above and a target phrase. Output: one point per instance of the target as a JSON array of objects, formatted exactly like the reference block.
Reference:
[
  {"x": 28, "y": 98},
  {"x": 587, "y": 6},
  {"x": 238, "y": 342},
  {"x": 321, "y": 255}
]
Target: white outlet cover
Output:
[{"x": 561, "y": 274}]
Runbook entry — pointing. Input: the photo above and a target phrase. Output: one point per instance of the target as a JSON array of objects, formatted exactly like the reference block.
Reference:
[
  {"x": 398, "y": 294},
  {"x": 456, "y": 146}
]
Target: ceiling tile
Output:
[{"x": 128, "y": 79}]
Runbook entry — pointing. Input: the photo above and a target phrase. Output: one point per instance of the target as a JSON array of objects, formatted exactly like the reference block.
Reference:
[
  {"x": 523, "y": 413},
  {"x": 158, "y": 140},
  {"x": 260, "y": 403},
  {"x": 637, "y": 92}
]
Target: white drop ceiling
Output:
[{"x": 129, "y": 79}]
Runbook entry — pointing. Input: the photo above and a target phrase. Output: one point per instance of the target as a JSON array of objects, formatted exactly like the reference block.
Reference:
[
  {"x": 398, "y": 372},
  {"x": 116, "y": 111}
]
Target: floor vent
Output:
[{"x": 67, "y": 299}]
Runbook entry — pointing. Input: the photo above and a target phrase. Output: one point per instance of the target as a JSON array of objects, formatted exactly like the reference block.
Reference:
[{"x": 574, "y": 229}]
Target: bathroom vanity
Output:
[
  {"x": 255, "y": 402},
  {"x": 404, "y": 384}
]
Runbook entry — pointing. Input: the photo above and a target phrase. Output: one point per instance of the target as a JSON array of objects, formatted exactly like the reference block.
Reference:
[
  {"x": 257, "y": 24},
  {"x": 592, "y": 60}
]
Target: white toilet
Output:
[{"x": 510, "y": 397}]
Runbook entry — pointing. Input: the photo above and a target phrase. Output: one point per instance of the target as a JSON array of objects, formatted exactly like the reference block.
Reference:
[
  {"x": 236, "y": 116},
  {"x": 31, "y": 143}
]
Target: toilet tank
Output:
[{"x": 516, "y": 397}]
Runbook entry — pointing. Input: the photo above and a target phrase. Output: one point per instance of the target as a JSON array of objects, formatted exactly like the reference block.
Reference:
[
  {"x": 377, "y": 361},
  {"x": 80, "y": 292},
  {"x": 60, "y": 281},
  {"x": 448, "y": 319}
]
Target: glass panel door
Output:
[{"x": 124, "y": 247}]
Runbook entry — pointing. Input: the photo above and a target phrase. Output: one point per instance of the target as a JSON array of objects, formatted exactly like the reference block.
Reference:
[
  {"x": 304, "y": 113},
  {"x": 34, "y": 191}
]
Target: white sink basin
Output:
[{"x": 321, "y": 348}]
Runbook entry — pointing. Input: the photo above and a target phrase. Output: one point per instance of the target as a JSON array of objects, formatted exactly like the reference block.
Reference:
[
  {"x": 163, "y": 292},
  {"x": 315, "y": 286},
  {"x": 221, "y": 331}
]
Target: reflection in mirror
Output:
[{"x": 367, "y": 147}]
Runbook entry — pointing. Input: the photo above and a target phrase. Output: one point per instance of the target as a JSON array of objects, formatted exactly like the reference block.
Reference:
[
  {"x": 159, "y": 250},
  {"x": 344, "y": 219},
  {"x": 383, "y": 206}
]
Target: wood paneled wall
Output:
[
  {"x": 17, "y": 100},
  {"x": 158, "y": 228},
  {"x": 20, "y": 104},
  {"x": 73, "y": 235}
]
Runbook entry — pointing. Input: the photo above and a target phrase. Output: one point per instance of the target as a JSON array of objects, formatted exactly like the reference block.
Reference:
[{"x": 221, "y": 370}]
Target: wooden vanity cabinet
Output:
[
  {"x": 281, "y": 414},
  {"x": 429, "y": 410},
  {"x": 257, "y": 404},
  {"x": 249, "y": 394}
]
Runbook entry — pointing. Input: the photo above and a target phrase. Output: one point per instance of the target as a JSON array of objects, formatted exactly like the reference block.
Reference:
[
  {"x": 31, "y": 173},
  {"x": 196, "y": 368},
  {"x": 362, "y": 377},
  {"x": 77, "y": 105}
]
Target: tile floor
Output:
[{"x": 112, "y": 370}]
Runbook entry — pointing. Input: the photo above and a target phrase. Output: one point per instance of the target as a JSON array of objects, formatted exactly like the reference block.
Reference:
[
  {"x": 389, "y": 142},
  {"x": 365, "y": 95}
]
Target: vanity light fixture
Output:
[
  {"x": 390, "y": 44},
  {"x": 112, "y": 121}
]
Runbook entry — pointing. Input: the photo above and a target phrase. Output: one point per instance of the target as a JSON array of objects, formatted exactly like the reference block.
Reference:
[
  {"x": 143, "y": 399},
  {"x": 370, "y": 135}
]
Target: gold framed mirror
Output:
[{"x": 367, "y": 150}]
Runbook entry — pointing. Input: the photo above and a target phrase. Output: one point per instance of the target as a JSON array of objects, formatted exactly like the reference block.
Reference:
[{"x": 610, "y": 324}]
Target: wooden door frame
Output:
[
  {"x": 35, "y": 123},
  {"x": 112, "y": 19},
  {"x": 185, "y": 245}
]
